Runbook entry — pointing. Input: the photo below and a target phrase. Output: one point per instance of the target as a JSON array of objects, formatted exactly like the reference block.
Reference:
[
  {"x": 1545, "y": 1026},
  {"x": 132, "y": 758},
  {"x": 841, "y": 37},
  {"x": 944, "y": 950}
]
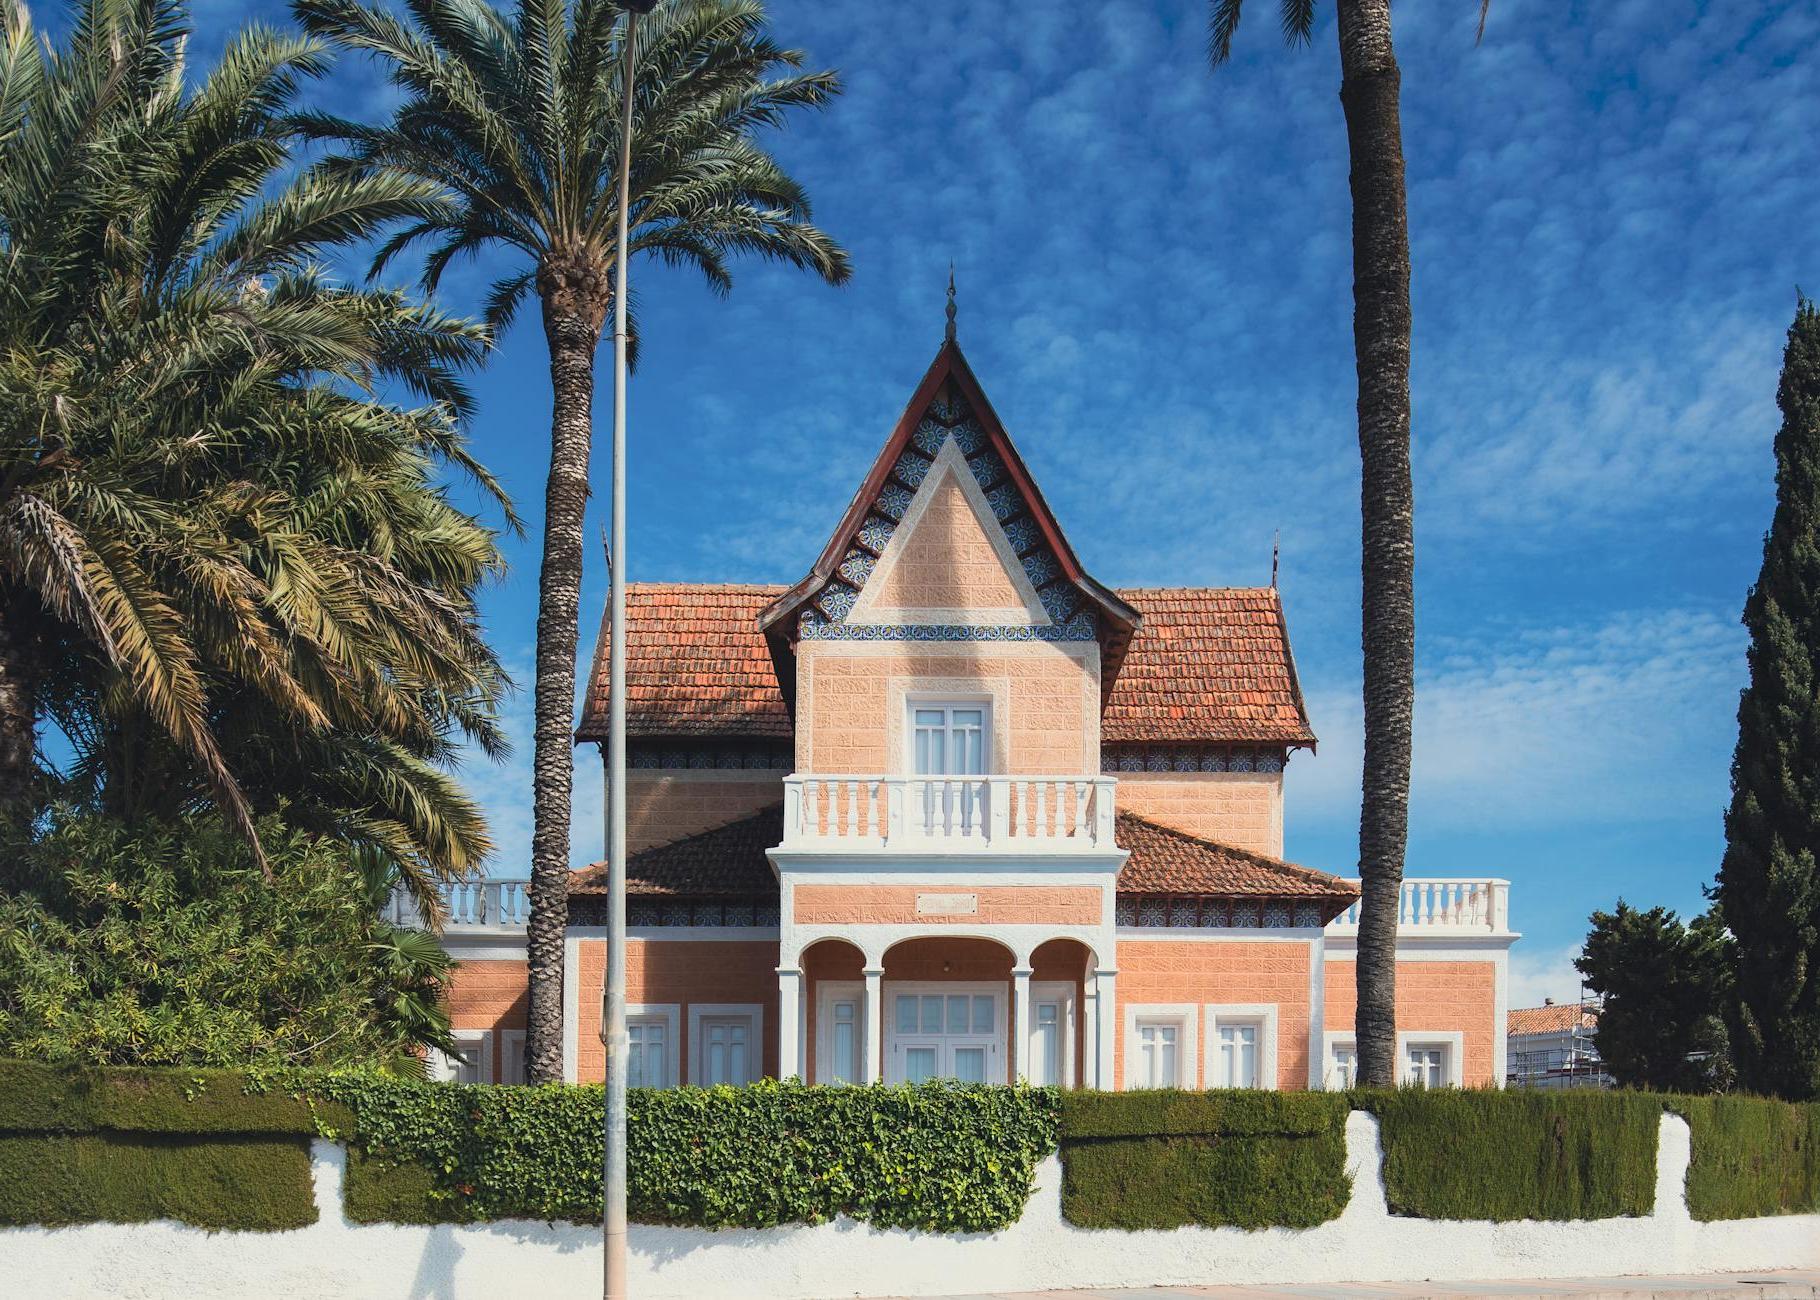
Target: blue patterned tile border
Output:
[
  {"x": 1082, "y": 627},
  {"x": 911, "y": 468},
  {"x": 893, "y": 500},
  {"x": 1191, "y": 758},
  {"x": 929, "y": 437}
]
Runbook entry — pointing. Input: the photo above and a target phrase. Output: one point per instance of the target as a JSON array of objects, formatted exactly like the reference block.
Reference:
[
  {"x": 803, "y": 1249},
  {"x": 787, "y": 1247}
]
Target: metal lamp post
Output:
[{"x": 613, "y": 993}]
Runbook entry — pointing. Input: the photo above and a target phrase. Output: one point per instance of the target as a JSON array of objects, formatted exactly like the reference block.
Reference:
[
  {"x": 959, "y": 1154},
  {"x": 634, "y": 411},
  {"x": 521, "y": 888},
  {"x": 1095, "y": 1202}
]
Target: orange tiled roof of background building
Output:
[
  {"x": 1557, "y": 1019},
  {"x": 1209, "y": 664}
]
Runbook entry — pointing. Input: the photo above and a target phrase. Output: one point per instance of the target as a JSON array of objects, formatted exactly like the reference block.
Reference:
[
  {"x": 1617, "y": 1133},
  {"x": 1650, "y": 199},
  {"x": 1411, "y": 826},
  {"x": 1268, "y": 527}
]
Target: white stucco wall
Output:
[{"x": 340, "y": 1259}]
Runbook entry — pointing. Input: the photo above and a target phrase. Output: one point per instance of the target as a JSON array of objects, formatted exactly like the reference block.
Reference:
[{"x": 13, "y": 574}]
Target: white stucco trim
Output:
[
  {"x": 571, "y": 1005},
  {"x": 1168, "y": 934},
  {"x": 827, "y": 993},
  {"x": 1261, "y": 1014},
  {"x": 1029, "y": 612},
  {"x": 1317, "y": 1007},
  {"x": 755, "y": 1047},
  {"x": 874, "y": 940},
  {"x": 1457, "y": 947},
  {"x": 1187, "y": 1057}
]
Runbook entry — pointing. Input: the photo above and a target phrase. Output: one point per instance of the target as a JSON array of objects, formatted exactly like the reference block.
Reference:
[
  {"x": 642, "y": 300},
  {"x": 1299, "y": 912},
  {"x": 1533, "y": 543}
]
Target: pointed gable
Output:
[{"x": 949, "y": 539}]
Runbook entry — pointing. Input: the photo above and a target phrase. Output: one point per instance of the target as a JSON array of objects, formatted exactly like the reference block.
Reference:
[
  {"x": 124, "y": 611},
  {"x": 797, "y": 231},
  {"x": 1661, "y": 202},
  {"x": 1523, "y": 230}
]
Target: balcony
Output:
[
  {"x": 472, "y": 905},
  {"x": 1443, "y": 906},
  {"x": 949, "y": 814}
]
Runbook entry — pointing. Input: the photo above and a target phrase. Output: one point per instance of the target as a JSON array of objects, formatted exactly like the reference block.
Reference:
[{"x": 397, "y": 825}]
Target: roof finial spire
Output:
[
  {"x": 949, "y": 335},
  {"x": 1276, "y": 550}
]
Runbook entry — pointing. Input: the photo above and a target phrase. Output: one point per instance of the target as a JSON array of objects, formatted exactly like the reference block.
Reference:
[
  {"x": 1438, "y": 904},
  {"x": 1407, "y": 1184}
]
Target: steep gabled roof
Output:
[
  {"x": 1209, "y": 663},
  {"x": 695, "y": 665},
  {"x": 1167, "y": 861},
  {"x": 948, "y": 384}
]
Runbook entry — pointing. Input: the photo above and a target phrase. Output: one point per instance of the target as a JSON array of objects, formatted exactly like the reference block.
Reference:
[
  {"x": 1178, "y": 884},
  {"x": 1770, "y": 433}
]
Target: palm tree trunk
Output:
[
  {"x": 1369, "y": 88},
  {"x": 572, "y": 293},
  {"x": 18, "y": 718}
]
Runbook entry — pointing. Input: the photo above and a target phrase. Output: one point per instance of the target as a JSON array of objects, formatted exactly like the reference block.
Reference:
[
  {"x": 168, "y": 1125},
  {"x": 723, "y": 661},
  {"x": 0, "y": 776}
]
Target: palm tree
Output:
[
  {"x": 515, "y": 117},
  {"x": 227, "y": 570},
  {"x": 1369, "y": 84}
]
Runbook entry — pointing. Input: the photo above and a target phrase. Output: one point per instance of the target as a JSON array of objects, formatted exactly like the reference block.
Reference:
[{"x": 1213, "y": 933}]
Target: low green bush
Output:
[
  {"x": 938, "y": 1157},
  {"x": 39, "y": 1098},
  {"x": 1751, "y": 1156},
  {"x": 1484, "y": 1154},
  {"x": 1167, "y": 1158}
]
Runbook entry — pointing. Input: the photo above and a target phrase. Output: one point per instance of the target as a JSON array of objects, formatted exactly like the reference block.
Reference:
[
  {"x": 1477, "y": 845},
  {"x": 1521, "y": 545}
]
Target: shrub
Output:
[
  {"x": 1516, "y": 1155},
  {"x": 165, "y": 945},
  {"x": 1167, "y": 1158},
  {"x": 937, "y": 1156},
  {"x": 1751, "y": 1156}
]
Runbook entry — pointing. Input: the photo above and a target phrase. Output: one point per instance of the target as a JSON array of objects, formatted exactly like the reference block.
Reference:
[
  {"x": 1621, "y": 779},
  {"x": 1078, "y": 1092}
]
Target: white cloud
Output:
[{"x": 1538, "y": 974}]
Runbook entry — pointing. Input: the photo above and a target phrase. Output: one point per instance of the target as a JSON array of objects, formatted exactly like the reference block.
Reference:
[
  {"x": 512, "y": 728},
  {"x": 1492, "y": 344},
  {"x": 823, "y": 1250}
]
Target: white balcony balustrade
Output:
[
  {"x": 1438, "y": 903},
  {"x": 1006, "y": 814},
  {"x": 495, "y": 904}
]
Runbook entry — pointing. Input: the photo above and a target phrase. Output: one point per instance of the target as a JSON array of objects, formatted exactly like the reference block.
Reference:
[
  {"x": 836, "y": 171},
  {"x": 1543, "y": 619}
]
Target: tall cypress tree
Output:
[{"x": 1769, "y": 885}]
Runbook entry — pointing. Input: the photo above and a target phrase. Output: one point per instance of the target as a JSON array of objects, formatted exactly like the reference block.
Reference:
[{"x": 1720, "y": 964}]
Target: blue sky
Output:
[{"x": 1611, "y": 206}]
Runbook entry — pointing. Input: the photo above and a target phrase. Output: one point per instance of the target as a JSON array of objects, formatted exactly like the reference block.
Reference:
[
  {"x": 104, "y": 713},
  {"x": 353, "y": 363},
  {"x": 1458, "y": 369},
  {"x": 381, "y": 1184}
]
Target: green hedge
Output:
[
  {"x": 1167, "y": 1158},
  {"x": 85, "y": 1145},
  {"x": 1485, "y": 1154},
  {"x": 1751, "y": 1157},
  {"x": 938, "y": 1156}
]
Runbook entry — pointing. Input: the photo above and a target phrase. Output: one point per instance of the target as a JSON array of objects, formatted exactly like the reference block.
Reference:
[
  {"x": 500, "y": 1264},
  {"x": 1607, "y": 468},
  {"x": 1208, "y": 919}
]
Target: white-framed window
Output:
[
  {"x": 651, "y": 1055},
  {"x": 1425, "y": 1058},
  {"x": 1242, "y": 1045},
  {"x": 1050, "y": 1058},
  {"x": 840, "y": 1030},
  {"x": 944, "y": 1030},
  {"x": 472, "y": 1061},
  {"x": 1160, "y": 1045},
  {"x": 512, "y": 1056},
  {"x": 726, "y": 1042},
  {"x": 949, "y": 737}
]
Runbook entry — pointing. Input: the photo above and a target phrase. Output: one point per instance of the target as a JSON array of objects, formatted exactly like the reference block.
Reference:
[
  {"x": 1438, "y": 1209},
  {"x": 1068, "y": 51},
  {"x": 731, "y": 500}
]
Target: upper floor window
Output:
[{"x": 949, "y": 739}]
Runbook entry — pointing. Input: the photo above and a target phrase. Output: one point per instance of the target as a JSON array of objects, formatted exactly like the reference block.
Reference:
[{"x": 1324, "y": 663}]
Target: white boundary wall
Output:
[{"x": 341, "y": 1259}]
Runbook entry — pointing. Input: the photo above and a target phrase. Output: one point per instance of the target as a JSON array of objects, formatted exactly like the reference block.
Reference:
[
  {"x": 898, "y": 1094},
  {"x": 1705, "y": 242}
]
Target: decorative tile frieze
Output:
[
  {"x": 857, "y": 567},
  {"x": 1042, "y": 567},
  {"x": 893, "y": 500},
  {"x": 948, "y": 407},
  {"x": 709, "y": 754},
  {"x": 1005, "y": 501},
  {"x": 968, "y": 436},
  {"x": 1082, "y": 627},
  {"x": 988, "y": 468},
  {"x": 1191, "y": 758},
  {"x": 876, "y": 533},
  {"x": 696, "y": 913},
  {"x": 929, "y": 437},
  {"x": 836, "y": 600},
  {"x": 1308, "y": 915},
  {"x": 1022, "y": 533},
  {"x": 1156, "y": 912}
]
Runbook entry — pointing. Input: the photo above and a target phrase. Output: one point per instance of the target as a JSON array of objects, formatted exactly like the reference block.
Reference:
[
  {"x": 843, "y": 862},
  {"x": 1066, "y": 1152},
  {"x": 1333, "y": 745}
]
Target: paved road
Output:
[{"x": 1787, "y": 1285}]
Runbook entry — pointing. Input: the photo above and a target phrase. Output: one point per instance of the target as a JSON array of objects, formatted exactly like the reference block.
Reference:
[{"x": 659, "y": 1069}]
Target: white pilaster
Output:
[
  {"x": 1020, "y": 1023},
  {"x": 1105, "y": 981},
  {"x": 789, "y": 1021},
  {"x": 872, "y": 1032}
]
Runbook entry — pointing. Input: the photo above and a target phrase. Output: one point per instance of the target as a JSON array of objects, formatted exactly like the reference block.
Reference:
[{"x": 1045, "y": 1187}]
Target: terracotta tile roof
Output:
[
  {"x": 1208, "y": 664},
  {"x": 696, "y": 664},
  {"x": 728, "y": 861},
  {"x": 1558, "y": 1019},
  {"x": 1168, "y": 861}
]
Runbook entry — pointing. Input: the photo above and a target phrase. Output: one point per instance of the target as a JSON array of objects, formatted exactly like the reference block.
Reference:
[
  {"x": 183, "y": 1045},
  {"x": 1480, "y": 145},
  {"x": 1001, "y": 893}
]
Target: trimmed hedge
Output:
[
  {"x": 1486, "y": 1154},
  {"x": 1167, "y": 1158},
  {"x": 88, "y": 1145},
  {"x": 940, "y": 1157},
  {"x": 1751, "y": 1157}
]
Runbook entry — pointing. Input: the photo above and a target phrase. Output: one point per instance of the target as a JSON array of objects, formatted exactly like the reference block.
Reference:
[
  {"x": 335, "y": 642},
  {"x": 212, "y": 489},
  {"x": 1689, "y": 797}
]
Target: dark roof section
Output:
[
  {"x": 726, "y": 862},
  {"x": 1168, "y": 861},
  {"x": 695, "y": 665},
  {"x": 949, "y": 367},
  {"x": 1208, "y": 664}
]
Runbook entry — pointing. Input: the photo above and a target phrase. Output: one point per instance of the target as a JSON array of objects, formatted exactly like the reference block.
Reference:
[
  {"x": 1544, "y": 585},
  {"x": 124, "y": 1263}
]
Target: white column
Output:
[
  {"x": 1105, "y": 1016},
  {"x": 1020, "y": 1023},
  {"x": 789, "y": 1020},
  {"x": 872, "y": 1032}
]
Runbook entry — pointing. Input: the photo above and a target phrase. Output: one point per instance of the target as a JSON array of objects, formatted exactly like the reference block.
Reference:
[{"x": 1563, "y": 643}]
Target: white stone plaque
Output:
[{"x": 947, "y": 904}]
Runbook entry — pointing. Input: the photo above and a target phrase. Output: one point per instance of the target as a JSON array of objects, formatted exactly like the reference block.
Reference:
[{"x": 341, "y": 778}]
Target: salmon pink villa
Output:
[{"x": 949, "y": 807}]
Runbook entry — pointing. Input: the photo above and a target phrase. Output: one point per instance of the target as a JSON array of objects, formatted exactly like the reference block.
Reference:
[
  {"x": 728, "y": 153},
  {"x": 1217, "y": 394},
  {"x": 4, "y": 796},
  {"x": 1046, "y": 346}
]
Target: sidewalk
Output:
[{"x": 1788, "y": 1285}]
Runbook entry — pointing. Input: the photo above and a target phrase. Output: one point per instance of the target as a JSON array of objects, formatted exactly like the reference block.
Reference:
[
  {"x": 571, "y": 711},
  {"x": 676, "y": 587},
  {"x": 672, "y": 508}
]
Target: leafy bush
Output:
[
  {"x": 1516, "y": 1155},
  {"x": 1751, "y": 1156},
  {"x": 940, "y": 1157},
  {"x": 166, "y": 945},
  {"x": 1166, "y": 1158}
]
